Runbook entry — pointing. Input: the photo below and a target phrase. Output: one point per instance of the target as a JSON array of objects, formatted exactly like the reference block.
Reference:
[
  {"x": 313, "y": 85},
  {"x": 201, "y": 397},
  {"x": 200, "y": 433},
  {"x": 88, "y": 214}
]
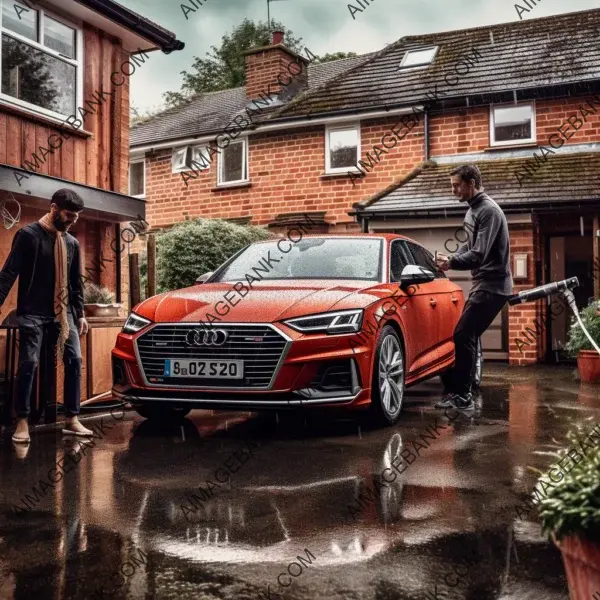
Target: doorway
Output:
[{"x": 570, "y": 256}]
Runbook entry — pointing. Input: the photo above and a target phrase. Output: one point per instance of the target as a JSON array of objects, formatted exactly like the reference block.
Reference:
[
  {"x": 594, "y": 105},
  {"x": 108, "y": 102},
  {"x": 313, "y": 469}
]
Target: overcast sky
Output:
[{"x": 324, "y": 26}]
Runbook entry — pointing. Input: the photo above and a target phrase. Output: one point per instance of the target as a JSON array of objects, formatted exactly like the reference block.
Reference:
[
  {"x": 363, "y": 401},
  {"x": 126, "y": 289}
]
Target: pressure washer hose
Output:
[
  {"x": 558, "y": 287},
  {"x": 568, "y": 294}
]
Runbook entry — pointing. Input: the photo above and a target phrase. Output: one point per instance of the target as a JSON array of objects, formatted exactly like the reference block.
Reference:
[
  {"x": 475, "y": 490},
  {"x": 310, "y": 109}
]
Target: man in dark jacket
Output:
[
  {"x": 46, "y": 259},
  {"x": 487, "y": 254}
]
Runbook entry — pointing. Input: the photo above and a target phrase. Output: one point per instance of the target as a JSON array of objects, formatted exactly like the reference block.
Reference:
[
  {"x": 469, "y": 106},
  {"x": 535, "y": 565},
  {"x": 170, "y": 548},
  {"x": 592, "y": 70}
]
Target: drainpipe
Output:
[
  {"x": 364, "y": 225},
  {"x": 117, "y": 231},
  {"x": 426, "y": 127}
]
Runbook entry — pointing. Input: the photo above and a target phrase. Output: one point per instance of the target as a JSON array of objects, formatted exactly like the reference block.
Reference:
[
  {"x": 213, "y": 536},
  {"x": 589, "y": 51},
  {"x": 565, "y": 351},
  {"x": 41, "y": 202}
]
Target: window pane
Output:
[
  {"x": 512, "y": 123},
  {"x": 398, "y": 260},
  {"x": 59, "y": 37},
  {"x": 423, "y": 258},
  {"x": 312, "y": 258},
  {"x": 20, "y": 19},
  {"x": 36, "y": 77},
  {"x": 233, "y": 160},
  {"x": 200, "y": 158},
  {"x": 343, "y": 148},
  {"x": 419, "y": 57},
  {"x": 136, "y": 179},
  {"x": 178, "y": 159}
]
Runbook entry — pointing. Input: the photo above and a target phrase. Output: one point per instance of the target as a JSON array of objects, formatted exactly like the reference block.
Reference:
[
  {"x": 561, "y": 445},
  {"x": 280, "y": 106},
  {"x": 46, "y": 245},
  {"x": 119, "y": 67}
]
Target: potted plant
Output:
[
  {"x": 570, "y": 512},
  {"x": 578, "y": 344},
  {"x": 99, "y": 301}
]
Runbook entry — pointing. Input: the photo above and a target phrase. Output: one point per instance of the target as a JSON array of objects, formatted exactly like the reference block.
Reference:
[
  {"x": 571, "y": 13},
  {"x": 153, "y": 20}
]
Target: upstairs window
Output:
[
  {"x": 137, "y": 178},
  {"x": 41, "y": 61},
  {"x": 188, "y": 158},
  {"x": 418, "y": 58},
  {"x": 233, "y": 163},
  {"x": 514, "y": 124},
  {"x": 342, "y": 148}
]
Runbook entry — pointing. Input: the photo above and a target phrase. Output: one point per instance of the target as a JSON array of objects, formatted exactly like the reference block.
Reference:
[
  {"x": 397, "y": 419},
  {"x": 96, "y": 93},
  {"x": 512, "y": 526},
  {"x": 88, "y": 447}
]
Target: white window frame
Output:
[
  {"x": 245, "y": 165},
  {"x": 331, "y": 128},
  {"x": 77, "y": 62},
  {"x": 133, "y": 162},
  {"x": 182, "y": 168},
  {"x": 533, "y": 137},
  {"x": 420, "y": 65}
]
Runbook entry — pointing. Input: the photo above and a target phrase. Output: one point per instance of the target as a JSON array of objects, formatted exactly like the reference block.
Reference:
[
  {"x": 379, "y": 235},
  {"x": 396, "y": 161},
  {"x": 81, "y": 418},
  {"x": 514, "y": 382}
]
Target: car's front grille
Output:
[{"x": 260, "y": 347}]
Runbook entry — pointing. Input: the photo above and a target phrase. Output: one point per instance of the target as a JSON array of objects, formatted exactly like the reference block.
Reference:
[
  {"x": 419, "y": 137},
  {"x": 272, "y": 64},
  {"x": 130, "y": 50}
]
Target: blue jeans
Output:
[{"x": 33, "y": 330}]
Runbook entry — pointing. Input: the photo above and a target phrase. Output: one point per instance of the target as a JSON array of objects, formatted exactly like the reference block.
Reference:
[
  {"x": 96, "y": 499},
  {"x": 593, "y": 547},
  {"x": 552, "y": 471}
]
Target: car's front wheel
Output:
[
  {"x": 166, "y": 414},
  {"x": 387, "y": 384}
]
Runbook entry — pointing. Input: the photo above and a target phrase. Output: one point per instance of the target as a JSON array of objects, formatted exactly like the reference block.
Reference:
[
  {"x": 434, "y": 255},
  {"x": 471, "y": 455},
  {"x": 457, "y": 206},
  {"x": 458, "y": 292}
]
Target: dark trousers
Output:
[
  {"x": 33, "y": 330},
  {"x": 478, "y": 313}
]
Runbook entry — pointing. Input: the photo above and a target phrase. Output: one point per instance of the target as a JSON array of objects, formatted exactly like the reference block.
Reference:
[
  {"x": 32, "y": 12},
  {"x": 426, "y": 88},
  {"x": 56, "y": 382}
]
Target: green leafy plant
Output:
[
  {"x": 572, "y": 505},
  {"x": 577, "y": 341},
  {"x": 94, "y": 294},
  {"x": 197, "y": 246}
]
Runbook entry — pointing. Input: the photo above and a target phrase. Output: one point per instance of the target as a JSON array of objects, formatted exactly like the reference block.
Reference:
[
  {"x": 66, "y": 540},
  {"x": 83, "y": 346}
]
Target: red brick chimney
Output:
[{"x": 274, "y": 68}]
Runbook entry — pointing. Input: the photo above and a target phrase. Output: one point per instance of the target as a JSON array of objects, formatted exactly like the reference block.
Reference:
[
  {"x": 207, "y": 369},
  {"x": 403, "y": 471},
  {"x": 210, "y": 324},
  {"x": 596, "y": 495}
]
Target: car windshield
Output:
[{"x": 309, "y": 258}]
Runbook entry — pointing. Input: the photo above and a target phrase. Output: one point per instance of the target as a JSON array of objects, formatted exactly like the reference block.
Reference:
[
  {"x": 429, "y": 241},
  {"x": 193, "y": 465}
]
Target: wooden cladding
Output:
[{"x": 100, "y": 159}]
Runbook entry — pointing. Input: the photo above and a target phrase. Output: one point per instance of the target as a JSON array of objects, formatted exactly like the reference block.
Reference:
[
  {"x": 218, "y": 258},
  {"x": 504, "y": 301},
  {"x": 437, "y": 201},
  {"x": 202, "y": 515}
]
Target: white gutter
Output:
[{"x": 141, "y": 150}]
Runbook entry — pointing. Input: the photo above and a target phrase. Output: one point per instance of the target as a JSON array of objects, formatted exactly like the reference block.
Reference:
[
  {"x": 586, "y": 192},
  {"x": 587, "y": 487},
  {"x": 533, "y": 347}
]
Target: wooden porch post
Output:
[
  {"x": 134, "y": 280},
  {"x": 151, "y": 254}
]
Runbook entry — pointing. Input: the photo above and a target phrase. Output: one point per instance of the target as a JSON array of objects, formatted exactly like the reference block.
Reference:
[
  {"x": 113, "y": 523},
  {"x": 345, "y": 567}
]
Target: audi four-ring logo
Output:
[{"x": 213, "y": 337}]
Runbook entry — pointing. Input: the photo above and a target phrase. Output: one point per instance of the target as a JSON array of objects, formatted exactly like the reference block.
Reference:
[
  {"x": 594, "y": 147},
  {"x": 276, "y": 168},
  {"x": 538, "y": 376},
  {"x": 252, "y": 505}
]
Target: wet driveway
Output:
[{"x": 240, "y": 506}]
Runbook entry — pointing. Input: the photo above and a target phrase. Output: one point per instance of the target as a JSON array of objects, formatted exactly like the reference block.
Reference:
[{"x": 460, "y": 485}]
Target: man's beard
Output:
[{"x": 60, "y": 225}]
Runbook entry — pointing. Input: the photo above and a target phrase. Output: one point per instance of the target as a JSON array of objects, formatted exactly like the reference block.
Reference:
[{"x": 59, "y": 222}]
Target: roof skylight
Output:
[{"x": 418, "y": 58}]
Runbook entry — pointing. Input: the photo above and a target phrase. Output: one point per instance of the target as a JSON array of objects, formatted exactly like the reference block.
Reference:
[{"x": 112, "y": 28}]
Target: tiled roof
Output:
[
  {"x": 524, "y": 54},
  {"x": 293, "y": 219},
  {"x": 520, "y": 55},
  {"x": 210, "y": 113},
  {"x": 564, "y": 179}
]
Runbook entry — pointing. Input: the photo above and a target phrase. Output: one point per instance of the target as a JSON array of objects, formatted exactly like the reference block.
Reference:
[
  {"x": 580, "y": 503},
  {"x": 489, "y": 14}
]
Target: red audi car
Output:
[{"x": 328, "y": 320}]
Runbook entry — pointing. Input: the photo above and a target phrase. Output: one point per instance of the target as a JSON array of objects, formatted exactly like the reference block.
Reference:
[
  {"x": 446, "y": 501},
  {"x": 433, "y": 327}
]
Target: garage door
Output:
[{"x": 434, "y": 238}]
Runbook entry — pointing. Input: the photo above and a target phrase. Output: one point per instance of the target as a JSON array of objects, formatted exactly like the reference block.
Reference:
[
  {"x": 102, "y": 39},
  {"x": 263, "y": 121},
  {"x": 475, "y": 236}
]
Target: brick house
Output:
[
  {"x": 369, "y": 143},
  {"x": 64, "y": 122}
]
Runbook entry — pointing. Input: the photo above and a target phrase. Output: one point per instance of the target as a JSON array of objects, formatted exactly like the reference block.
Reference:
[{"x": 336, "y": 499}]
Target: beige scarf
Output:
[{"x": 61, "y": 291}]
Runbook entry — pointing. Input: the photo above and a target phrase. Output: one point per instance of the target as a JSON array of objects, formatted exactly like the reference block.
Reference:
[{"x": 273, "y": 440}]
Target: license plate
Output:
[{"x": 212, "y": 369}]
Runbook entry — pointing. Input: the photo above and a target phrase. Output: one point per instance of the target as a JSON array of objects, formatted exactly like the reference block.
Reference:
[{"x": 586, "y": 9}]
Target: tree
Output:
[
  {"x": 335, "y": 56},
  {"x": 138, "y": 115},
  {"x": 224, "y": 67},
  {"x": 194, "y": 247}
]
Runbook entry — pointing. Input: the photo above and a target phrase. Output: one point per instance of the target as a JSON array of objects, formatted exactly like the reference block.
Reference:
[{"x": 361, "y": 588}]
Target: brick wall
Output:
[
  {"x": 287, "y": 169},
  {"x": 264, "y": 67},
  {"x": 525, "y": 238},
  {"x": 286, "y": 175}
]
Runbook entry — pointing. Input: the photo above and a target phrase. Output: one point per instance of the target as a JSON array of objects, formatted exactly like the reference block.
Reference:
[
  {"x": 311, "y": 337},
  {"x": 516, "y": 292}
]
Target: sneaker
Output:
[
  {"x": 446, "y": 401},
  {"x": 463, "y": 403}
]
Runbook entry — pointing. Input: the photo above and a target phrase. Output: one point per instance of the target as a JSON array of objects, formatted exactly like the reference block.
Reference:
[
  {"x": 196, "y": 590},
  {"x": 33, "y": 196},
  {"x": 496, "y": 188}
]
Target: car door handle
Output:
[
  {"x": 455, "y": 300},
  {"x": 432, "y": 302}
]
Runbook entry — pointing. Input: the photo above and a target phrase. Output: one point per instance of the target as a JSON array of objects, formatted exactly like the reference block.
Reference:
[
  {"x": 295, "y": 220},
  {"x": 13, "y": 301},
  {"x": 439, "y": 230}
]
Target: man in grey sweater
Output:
[{"x": 487, "y": 254}]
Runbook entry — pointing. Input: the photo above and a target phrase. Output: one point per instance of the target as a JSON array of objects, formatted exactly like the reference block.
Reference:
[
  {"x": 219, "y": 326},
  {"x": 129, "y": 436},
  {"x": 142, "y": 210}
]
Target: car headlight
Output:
[
  {"x": 343, "y": 321},
  {"x": 134, "y": 323}
]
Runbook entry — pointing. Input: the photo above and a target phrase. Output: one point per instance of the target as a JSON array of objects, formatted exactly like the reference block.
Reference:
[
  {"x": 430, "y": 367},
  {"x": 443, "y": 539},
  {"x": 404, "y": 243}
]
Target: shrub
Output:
[
  {"x": 94, "y": 294},
  {"x": 577, "y": 339},
  {"x": 194, "y": 247},
  {"x": 572, "y": 505}
]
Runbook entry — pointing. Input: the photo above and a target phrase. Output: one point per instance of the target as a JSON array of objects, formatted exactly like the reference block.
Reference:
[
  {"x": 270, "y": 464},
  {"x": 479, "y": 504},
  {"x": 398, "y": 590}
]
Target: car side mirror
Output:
[
  {"x": 204, "y": 277},
  {"x": 413, "y": 274}
]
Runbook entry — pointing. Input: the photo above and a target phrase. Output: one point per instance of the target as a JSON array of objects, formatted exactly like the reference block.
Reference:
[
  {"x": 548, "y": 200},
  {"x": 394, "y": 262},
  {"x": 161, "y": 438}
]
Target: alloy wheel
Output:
[{"x": 391, "y": 375}]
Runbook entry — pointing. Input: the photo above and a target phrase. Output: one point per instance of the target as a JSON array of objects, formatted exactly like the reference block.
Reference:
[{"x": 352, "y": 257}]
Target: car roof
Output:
[{"x": 387, "y": 236}]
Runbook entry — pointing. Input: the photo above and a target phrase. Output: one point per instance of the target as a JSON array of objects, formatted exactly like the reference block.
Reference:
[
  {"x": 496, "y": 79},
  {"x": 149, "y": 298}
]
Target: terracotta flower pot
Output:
[
  {"x": 581, "y": 558},
  {"x": 588, "y": 365},
  {"x": 101, "y": 310}
]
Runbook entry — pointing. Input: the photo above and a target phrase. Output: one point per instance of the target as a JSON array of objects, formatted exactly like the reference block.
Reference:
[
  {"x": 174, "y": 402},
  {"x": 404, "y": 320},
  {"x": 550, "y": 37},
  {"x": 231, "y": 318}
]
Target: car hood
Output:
[{"x": 265, "y": 302}]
